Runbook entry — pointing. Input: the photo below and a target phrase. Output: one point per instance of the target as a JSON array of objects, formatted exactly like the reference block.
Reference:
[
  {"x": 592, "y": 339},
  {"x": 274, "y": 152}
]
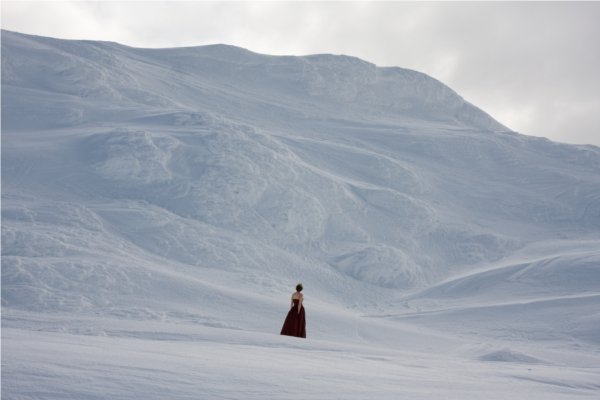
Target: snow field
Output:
[
  {"x": 159, "y": 207},
  {"x": 212, "y": 363}
]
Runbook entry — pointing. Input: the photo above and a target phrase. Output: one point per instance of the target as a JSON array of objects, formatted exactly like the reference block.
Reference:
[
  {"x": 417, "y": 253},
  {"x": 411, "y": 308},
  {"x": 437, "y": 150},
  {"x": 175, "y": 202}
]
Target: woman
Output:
[{"x": 294, "y": 324}]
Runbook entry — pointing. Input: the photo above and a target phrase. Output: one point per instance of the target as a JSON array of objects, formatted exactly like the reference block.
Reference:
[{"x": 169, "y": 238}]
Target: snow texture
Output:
[{"x": 160, "y": 205}]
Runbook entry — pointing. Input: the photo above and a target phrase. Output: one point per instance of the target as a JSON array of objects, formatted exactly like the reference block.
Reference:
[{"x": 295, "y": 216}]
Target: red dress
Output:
[{"x": 294, "y": 324}]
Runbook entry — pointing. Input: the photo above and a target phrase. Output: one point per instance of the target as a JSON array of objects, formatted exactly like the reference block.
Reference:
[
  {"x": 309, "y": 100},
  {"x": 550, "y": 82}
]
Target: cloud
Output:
[{"x": 533, "y": 65}]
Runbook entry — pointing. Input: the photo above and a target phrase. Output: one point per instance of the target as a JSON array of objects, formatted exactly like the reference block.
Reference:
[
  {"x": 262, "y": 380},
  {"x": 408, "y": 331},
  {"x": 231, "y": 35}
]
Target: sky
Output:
[{"x": 533, "y": 66}]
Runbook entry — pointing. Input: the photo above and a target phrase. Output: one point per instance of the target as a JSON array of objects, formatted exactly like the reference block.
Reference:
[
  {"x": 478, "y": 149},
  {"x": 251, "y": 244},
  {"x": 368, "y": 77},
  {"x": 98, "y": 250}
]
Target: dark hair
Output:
[{"x": 299, "y": 287}]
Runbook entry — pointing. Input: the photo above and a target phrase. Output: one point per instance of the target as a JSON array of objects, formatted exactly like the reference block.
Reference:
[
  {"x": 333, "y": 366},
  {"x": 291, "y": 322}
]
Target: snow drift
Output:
[{"x": 199, "y": 185}]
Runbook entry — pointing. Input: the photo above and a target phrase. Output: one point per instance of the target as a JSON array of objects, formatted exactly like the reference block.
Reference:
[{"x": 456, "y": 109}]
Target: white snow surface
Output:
[{"x": 160, "y": 205}]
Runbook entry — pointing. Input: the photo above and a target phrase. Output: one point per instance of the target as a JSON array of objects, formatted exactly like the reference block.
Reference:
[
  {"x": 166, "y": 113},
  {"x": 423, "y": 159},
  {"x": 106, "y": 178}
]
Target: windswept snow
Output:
[{"x": 160, "y": 205}]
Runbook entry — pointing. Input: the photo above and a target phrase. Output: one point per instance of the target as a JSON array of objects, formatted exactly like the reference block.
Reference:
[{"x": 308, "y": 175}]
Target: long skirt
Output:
[{"x": 295, "y": 324}]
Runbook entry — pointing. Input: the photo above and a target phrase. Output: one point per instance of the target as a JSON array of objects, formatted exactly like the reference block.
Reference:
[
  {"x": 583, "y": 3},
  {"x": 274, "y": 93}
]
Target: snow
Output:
[{"x": 160, "y": 205}]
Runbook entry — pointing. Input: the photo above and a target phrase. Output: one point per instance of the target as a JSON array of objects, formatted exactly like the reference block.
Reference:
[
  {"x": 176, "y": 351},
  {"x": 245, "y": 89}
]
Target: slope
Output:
[{"x": 193, "y": 188}]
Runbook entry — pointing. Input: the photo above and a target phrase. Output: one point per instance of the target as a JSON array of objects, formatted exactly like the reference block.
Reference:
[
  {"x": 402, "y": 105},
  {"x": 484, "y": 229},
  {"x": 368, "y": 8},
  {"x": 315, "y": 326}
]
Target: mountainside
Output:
[{"x": 199, "y": 185}]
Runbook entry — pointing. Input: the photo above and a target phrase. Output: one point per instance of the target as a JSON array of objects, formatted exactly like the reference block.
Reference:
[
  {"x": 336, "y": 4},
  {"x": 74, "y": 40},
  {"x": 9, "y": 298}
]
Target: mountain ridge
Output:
[
  {"x": 159, "y": 207},
  {"x": 344, "y": 79},
  {"x": 400, "y": 184}
]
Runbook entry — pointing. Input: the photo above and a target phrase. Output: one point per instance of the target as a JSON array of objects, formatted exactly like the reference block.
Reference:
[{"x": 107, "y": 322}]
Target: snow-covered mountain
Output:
[{"x": 152, "y": 193}]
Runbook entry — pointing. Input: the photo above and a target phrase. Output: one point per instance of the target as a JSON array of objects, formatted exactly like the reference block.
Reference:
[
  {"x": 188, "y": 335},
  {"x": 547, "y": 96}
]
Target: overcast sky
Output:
[{"x": 533, "y": 66}]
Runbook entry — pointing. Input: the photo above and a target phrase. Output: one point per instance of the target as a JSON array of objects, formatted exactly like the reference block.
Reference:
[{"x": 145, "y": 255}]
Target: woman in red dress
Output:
[{"x": 294, "y": 324}]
